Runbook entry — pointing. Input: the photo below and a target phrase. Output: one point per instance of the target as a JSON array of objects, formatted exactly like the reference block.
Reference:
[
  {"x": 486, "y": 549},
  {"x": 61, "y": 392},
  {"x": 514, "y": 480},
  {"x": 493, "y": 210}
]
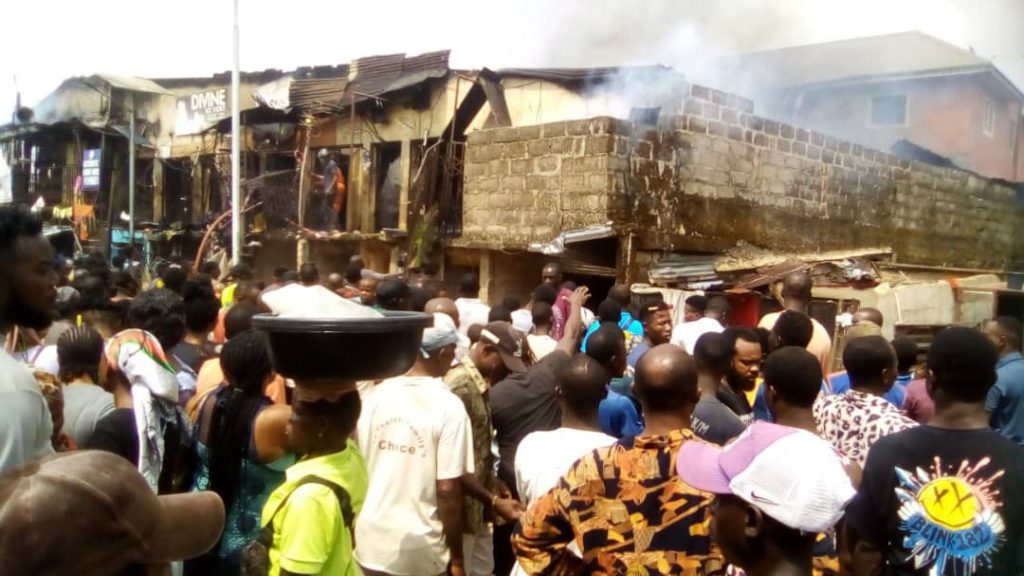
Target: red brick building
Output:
[{"x": 909, "y": 86}]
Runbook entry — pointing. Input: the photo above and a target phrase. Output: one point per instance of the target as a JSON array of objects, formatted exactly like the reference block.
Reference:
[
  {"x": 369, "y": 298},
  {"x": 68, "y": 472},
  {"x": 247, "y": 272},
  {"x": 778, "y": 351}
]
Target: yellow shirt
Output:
[
  {"x": 309, "y": 534},
  {"x": 227, "y": 296}
]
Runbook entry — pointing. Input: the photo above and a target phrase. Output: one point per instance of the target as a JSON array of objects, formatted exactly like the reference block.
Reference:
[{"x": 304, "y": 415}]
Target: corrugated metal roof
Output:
[
  {"x": 132, "y": 83},
  {"x": 903, "y": 54},
  {"x": 372, "y": 75},
  {"x": 376, "y": 75},
  {"x": 317, "y": 94},
  {"x": 686, "y": 270}
]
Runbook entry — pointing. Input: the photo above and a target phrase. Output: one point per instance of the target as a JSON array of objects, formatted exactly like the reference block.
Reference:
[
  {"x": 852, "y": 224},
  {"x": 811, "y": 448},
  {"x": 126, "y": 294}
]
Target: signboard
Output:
[
  {"x": 198, "y": 111},
  {"x": 91, "y": 160}
]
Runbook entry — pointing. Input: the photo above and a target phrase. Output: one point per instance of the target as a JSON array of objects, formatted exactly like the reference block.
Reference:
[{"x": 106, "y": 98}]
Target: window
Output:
[
  {"x": 988, "y": 121},
  {"x": 889, "y": 110}
]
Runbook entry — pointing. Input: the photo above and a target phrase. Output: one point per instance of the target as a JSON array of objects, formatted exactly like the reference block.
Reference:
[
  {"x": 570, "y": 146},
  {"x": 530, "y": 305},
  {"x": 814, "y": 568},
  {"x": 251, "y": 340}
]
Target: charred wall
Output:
[{"x": 718, "y": 174}]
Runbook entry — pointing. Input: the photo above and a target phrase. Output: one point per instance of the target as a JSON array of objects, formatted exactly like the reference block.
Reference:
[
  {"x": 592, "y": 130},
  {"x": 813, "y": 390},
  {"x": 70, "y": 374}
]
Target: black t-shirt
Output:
[
  {"x": 734, "y": 401},
  {"x": 522, "y": 403},
  {"x": 715, "y": 422},
  {"x": 191, "y": 355},
  {"x": 116, "y": 432},
  {"x": 951, "y": 501}
]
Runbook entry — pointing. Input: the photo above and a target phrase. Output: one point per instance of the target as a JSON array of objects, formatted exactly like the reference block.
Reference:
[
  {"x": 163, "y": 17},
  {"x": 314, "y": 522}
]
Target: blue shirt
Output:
[
  {"x": 840, "y": 383},
  {"x": 618, "y": 416},
  {"x": 628, "y": 324},
  {"x": 637, "y": 352},
  {"x": 1006, "y": 399}
]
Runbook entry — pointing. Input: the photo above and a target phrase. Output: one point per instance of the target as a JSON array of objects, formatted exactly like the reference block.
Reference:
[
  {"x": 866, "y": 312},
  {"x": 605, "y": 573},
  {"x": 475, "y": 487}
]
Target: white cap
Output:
[{"x": 789, "y": 474}]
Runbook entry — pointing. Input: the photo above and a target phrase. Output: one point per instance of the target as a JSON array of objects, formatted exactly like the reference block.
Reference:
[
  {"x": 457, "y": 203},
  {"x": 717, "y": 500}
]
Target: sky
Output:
[{"x": 49, "y": 40}]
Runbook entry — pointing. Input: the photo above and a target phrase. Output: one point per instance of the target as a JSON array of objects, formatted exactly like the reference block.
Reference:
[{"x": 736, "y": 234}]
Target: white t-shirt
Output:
[
  {"x": 42, "y": 357},
  {"x": 541, "y": 346},
  {"x": 471, "y": 311},
  {"x": 544, "y": 457},
  {"x": 25, "y": 422},
  {"x": 413, "y": 432},
  {"x": 686, "y": 334}
]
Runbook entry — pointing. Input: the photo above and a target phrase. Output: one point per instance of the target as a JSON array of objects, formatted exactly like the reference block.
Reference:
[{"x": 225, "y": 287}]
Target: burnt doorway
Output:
[
  {"x": 177, "y": 205},
  {"x": 388, "y": 180}
]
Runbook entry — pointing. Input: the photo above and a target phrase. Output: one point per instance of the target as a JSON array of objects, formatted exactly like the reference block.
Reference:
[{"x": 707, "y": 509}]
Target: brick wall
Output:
[{"x": 718, "y": 174}]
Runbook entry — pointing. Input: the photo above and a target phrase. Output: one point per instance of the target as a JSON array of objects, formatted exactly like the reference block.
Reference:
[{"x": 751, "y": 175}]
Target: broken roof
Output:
[
  {"x": 375, "y": 75},
  {"x": 901, "y": 55},
  {"x": 324, "y": 89}
]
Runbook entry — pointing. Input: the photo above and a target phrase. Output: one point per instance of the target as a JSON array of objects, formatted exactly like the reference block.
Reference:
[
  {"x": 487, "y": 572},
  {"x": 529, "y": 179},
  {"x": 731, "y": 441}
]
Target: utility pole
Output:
[
  {"x": 236, "y": 137},
  {"x": 131, "y": 169}
]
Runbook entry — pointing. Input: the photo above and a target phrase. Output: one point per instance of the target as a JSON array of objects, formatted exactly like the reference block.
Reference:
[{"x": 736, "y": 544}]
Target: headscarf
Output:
[
  {"x": 442, "y": 333},
  {"x": 137, "y": 355}
]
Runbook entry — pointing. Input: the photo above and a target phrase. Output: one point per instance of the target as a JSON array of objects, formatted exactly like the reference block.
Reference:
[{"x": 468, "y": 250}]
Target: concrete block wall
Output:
[
  {"x": 528, "y": 184},
  {"x": 717, "y": 174},
  {"x": 783, "y": 186}
]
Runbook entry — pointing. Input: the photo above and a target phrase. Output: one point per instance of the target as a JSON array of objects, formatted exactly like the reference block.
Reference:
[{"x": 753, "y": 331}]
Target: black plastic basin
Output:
[{"x": 311, "y": 349}]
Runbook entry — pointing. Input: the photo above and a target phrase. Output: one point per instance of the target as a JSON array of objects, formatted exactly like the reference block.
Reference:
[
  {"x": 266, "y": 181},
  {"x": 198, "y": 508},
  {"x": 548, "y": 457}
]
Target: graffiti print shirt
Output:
[
  {"x": 628, "y": 512},
  {"x": 853, "y": 421},
  {"x": 943, "y": 503}
]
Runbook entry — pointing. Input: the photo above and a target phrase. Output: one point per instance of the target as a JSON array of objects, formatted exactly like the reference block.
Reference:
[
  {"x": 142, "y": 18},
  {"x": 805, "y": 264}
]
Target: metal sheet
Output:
[{"x": 132, "y": 83}]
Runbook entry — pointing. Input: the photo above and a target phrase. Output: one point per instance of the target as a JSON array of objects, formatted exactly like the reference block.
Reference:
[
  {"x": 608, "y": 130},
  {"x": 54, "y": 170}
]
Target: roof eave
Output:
[{"x": 918, "y": 75}]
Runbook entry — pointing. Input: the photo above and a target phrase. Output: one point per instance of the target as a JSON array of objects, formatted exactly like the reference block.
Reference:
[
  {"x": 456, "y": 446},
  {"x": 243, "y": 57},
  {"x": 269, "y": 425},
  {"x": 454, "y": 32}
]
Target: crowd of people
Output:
[{"x": 144, "y": 431}]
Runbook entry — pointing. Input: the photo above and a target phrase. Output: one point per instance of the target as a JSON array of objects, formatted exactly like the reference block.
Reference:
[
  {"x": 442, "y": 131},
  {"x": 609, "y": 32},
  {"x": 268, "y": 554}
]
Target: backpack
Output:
[{"x": 255, "y": 557}]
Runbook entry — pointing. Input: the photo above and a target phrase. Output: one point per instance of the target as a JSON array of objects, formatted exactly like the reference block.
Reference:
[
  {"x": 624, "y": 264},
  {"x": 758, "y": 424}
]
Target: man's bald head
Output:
[
  {"x": 582, "y": 385},
  {"x": 620, "y": 295},
  {"x": 797, "y": 286},
  {"x": 552, "y": 275},
  {"x": 873, "y": 315},
  {"x": 443, "y": 306},
  {"x": 335, "y": 281},
  {"x": 666, "y": 380}
]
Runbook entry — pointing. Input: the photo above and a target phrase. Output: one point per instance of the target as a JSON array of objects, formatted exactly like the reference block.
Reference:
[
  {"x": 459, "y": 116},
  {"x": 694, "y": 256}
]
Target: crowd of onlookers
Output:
[{"x": 144, "y": 430}]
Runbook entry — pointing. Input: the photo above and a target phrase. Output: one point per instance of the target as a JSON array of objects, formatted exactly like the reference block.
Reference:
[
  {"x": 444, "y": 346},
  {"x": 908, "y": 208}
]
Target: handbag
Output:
[{"x": 255, "y": 557}]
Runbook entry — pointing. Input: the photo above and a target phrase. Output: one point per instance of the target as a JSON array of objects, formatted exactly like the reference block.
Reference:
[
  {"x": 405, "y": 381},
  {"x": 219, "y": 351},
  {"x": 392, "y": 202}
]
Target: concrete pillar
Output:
[
  {"x": 158, "y": 191},
  {"x": 626, "y": 260},
  {"x": 403, "y": 197},
  {"x": 487, "y": 274}
]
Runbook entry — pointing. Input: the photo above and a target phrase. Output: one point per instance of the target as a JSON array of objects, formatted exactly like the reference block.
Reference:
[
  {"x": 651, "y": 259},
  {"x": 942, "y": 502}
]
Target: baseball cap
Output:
[
  {"x": 511, "y": 344},
  {"x": 758, "y": 467},
  {"x": 653, "y": 308},
  {"x": 91, "y": 512}
]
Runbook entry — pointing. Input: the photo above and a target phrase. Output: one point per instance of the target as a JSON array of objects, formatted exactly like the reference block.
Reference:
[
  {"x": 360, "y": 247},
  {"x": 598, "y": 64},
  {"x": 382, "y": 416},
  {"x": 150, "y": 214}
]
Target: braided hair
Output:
[
  {"x": 79, "y": 350},
  {"x": 245, "y": 360}
]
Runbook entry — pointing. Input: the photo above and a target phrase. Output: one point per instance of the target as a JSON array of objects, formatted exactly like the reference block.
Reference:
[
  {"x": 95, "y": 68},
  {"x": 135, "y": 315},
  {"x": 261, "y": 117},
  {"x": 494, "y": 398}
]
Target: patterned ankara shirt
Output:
[
  {"x": 628, "y": 512},
  {"x": 853, "y": 421},
  {"x": 466, "y": 382}
]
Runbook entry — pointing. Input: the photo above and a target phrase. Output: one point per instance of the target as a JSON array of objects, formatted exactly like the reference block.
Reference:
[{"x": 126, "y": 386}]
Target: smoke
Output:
[{"x": 701, "y": 40}]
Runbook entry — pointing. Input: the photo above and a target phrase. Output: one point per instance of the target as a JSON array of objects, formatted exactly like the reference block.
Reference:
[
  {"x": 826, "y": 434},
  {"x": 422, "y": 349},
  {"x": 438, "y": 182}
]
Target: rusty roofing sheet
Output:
[
  {"x": 376, "y": 75},
  {"x": 770, "y": 274},
  {"x": 363, "y": 77},
  {"x": 316, "y": 94}
]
